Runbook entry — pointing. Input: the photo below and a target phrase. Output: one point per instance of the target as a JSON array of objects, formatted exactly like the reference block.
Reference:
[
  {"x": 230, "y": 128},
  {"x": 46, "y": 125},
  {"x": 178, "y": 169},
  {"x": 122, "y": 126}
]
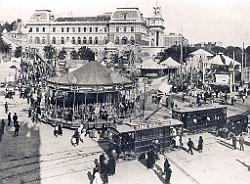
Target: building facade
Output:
[
  {"x": 123, "y": 26},
  {"x": 174, "y": 39}
]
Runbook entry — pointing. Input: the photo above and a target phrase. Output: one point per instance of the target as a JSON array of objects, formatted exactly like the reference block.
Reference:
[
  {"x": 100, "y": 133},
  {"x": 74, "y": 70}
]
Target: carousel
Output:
[{"x": 92, "y": 94}]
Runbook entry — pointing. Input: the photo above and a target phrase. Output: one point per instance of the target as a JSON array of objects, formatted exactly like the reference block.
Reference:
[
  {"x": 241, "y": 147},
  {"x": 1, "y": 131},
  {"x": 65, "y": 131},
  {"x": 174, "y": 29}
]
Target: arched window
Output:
[
  {"x": 73, "y": 40},
  {"x": 79, "y": 40},
  {"x": 117, "y": 40},
  {"x": 31, "y": 40},
  {"x": 37, "y": 40},
  {"x": 90, "y": 40},
  {"x": 84, "y": 41},
  {"x": 105, "y": 40},
  {"x": 62, "y": 40},
  {"x": 124, "y": 40},
  {"x": 43, "y": 40},
  {"x": 96, "y": 40},
  {"x": 53, "y": 40}
]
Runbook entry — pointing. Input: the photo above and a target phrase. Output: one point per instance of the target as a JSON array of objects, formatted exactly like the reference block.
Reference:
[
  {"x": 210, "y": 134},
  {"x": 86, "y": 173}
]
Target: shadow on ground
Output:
[{"x": 19, "y": 156}]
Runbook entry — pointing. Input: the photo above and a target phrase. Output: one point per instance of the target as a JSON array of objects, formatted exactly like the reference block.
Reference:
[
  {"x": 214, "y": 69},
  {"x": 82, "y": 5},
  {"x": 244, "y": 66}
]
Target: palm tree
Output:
[
  {"x": 62, "y": 54},
  {"x": 5, "y": 48},
  {"x": 49, "y": 52},
  {"x": 86, "y": 53},
  {"x": 74, "y": 55},
  {"x": 18, "y": 52}
]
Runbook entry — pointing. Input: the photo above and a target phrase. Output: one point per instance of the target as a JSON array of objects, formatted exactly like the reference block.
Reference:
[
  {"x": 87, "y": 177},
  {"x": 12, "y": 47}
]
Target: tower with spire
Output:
[{"x": 156, "y": 27}]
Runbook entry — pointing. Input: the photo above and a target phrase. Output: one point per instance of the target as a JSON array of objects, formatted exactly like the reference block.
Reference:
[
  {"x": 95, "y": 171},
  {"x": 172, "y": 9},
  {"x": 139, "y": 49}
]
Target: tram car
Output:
[
  {"x": 202, "y": 118},
  {"x": 235, "y": 124},
  {"x": 138, "y": 137}
]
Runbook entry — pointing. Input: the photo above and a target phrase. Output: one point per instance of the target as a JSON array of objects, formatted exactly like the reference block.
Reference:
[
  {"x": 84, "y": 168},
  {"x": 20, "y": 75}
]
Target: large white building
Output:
[{"x": 119, "y": 27}]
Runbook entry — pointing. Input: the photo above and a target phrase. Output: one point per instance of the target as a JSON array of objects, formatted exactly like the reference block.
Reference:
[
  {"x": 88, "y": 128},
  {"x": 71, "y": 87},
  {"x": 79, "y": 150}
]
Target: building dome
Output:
[
  {"x": 42, "y": 16},
  {"x": 126, "y": 14}
]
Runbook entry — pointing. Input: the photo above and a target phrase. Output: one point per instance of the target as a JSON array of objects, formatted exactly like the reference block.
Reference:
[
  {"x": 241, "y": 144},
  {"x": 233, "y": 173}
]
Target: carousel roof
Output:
[{"x": 91, "y": 74}]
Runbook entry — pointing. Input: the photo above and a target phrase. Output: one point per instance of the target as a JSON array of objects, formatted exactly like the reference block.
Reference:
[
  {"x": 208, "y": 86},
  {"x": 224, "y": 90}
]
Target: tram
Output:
[
  {"x": 234, "y": 126},
  {"x": 138, "y": 137},
  {"x": 200, "y": 118}
]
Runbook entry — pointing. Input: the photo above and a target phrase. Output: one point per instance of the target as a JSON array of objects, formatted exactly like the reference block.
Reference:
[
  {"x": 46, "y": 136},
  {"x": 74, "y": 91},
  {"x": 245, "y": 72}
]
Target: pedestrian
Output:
[
  {"x": 150, "y": 158},
  {"x": 166, "y": 164},
  {"x": 98, "y": 179},
  {"x": 243, "y": 99},
  {"x": 104, "y": 163},
  {"x": 2, "y": 126},
  {"x": 97, "y": 167},
  {"x": 241, "y": 142},
  {"x": 9, "y": 119},
  {"x": 190, "y": 146},
  {"x": 91, "y": 177},
  {"x": 6, "y": 107},
  {"x": 168, "y": 173},
  {"x": 56, "y": 130},
  {"x": 177, "y": 141},
  {"x": 15, "y": 118},
  {"x": 76, "y": 136},
  {"x": 1, "y": 135},
  {"x": 17, "y": 127},
  {"x": 60, "y": 132},
  {"x": 200, "y": 144},
  {"x": 234, "y": 142},
  {"x": 112, "y": 162}
]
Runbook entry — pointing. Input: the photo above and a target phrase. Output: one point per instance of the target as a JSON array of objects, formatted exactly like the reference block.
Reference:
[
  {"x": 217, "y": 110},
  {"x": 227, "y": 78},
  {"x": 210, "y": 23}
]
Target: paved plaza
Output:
[{"x": 37, "y": 156}]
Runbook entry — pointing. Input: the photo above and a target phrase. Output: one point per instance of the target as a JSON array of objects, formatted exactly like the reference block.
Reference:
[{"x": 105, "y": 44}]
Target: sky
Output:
[{"x": 199, "y": 20}]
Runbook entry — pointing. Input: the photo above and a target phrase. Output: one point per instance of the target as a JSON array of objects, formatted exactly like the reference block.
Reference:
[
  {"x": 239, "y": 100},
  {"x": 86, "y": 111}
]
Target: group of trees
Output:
[
  {"x": 8, "y": 26},
  {"x": 83, "y": 53},
  {"x": 4, "y": 47},
  {"x": 175, "y": 52}
]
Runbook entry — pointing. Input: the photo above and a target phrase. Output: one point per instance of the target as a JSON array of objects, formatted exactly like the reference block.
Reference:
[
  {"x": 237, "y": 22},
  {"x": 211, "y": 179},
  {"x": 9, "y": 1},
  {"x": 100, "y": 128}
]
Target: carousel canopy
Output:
[
  {"x": 91, "y": 74},
  {"x": 170, "y": 63}
]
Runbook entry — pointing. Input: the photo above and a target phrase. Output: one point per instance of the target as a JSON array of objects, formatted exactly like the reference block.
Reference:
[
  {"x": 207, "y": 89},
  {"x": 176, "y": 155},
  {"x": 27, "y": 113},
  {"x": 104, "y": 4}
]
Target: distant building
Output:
[
  {"x": 174, "y": 39},
  {"x": 208, "y": 44},
  {"x": 120, "y": 27}
]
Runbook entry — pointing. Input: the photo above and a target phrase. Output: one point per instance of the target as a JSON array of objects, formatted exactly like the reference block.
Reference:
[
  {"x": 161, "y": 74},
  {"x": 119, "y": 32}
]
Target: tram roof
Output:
[
  {"x": 131, "y": 127},
  {"x": 199, "y": 108},
  {"x": 232, "y": 111}
]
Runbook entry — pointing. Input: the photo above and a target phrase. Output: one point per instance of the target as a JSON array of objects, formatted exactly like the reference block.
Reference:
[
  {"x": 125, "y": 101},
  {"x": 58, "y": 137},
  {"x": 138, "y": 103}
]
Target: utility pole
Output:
[
  {"x": 242, "y": 60},
  {"x": 181, "y": 58}
]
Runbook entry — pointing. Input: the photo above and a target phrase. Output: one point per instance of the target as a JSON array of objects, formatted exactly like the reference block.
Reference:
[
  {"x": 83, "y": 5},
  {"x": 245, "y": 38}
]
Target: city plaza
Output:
[{"x": 38, "y": 156}]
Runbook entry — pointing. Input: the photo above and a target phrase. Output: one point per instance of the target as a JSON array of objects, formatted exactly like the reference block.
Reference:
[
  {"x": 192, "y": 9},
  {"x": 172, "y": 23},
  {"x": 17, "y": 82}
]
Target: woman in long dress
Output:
[{"x": 97, "y": 178}]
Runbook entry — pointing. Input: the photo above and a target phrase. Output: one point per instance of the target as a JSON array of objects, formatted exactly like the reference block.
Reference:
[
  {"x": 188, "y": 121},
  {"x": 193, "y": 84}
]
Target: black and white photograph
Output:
[{"x": 124, "y": 92}]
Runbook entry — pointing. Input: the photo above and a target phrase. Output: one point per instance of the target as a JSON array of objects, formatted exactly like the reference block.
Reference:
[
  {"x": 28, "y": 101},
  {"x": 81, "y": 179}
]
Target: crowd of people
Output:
[
  {"x": 10, "y": 119},
  {"x": 104, "y": 167}
]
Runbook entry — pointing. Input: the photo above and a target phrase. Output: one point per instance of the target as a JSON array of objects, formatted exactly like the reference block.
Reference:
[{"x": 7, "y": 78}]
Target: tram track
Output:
[
  {"x": 65, "y": 166},
  {"x": 67, "y": 153}
]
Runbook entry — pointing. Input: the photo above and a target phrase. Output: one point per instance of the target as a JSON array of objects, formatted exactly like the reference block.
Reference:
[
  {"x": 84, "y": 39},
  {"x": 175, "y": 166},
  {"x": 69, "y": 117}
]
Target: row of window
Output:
[
  {"x": 90, "y": 40},
  {"x": 84, "y": 29},
  {"x": 125, "y": 29},
  {"x": 73, "y": 29}
]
